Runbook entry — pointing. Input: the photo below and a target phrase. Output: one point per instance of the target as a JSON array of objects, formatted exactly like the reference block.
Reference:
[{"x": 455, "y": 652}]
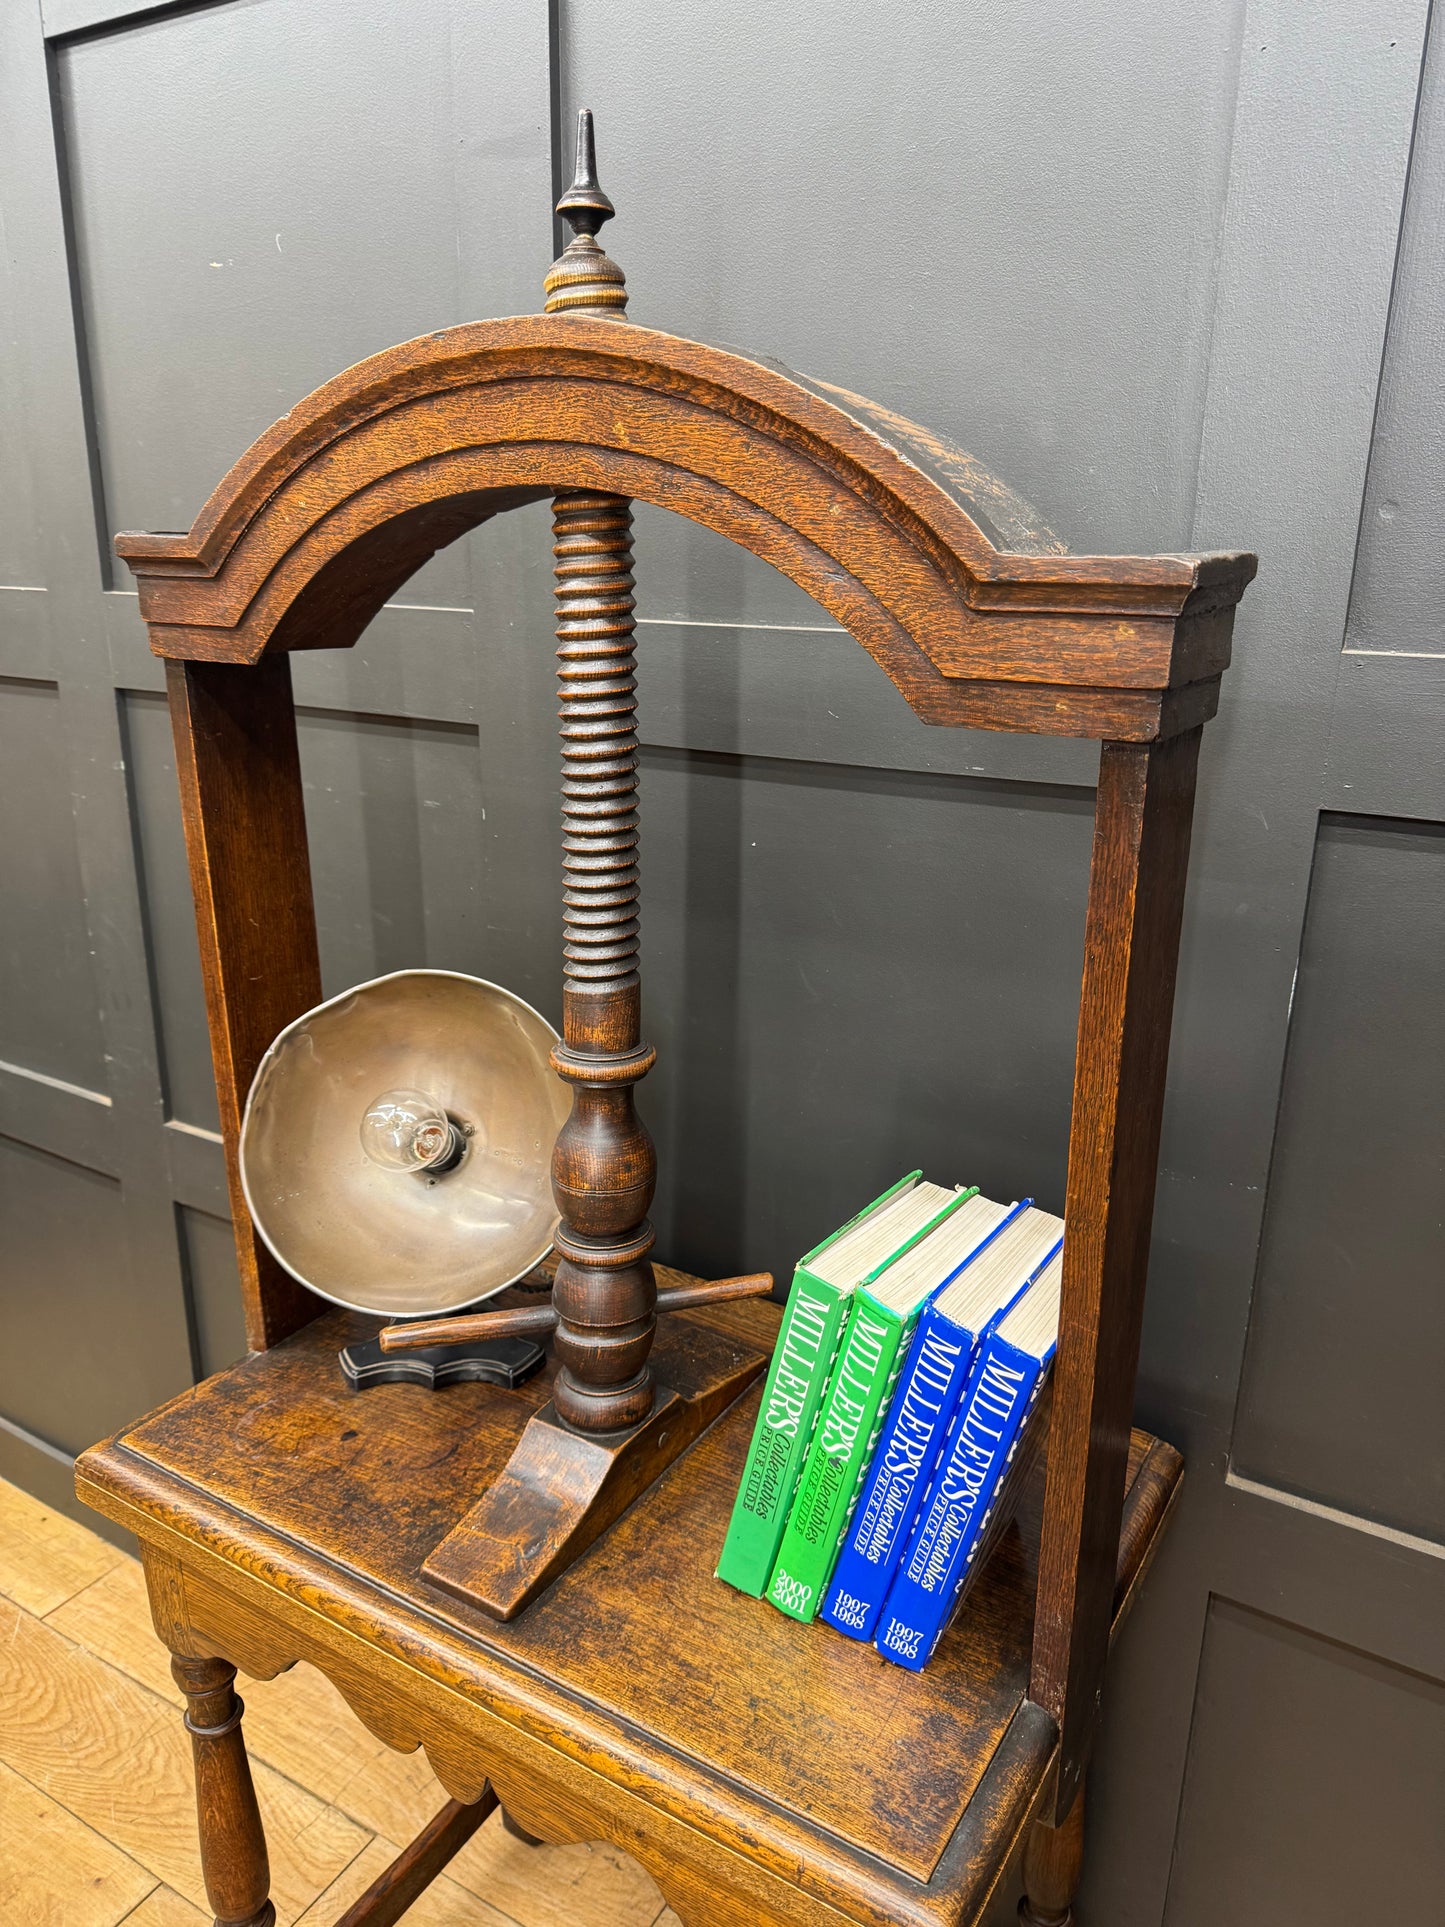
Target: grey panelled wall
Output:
[{"x": 1175, "y": 273}]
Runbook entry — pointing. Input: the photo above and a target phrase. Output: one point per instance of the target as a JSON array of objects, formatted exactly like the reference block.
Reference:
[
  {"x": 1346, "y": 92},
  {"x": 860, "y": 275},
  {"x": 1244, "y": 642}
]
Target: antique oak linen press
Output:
[{"x": 521, "y": 1580}]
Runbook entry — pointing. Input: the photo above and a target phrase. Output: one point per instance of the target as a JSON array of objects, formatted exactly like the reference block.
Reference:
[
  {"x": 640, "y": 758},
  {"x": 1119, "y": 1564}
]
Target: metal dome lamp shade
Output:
[{"x": 394, "y": 1157}]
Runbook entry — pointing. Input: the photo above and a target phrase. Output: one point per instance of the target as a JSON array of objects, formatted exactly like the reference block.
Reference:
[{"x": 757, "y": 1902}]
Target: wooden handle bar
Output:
[
  {"x": 752, "y": 1284},
  {"x": 527, "y": 1321}
]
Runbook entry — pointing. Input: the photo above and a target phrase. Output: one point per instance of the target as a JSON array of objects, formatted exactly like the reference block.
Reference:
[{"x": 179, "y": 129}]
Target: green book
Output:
[
  {"x": 875, "y": 1342},
  {"x": 823, "y": 1284}
]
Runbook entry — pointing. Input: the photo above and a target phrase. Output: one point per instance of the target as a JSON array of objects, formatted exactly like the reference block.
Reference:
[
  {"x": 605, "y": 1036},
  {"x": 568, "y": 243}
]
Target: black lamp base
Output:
[{"x": 500, "y": 1361}]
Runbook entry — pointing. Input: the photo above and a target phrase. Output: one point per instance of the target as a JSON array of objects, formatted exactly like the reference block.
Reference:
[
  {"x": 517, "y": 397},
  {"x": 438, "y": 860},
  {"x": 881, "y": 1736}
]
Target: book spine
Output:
[
  {"x": 1001, "y": 1389},
  {"x": 894, "y": 1480},
  {"x": 847, "y": 1428},
  {"x": 792, "y": 1394},
  {"x": 1027, "y": 1446}
]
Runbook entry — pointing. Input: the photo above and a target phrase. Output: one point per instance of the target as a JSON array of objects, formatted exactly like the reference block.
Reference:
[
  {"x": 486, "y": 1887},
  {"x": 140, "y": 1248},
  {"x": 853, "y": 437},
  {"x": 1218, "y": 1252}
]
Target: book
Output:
[
  {"x": 992, "y": 1416},
  {"x": 991, "y": 1270},
  {"x": 879, "y": 1325},
  {"x": 823, "y": 1283}
]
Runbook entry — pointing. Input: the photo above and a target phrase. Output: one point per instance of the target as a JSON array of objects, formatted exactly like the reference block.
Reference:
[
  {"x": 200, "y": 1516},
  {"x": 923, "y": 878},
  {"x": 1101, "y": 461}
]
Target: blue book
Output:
[
  {"x": 1003, "y": 1386},
  {"x": 995, "y": 1250}
]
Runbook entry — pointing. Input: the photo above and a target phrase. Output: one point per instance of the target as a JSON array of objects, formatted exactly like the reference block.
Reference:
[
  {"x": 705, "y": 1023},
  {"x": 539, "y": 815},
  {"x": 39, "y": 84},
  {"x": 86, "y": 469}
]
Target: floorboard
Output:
[
  {"x": 57, "y": 1872},
  {"x": 163, "y": 1908},
  {"x": 46, "y": 1558}
]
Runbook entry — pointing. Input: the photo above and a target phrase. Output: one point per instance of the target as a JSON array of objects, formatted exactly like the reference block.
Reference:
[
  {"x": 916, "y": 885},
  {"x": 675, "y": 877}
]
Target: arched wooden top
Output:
[{"x": 940, "y": 571}]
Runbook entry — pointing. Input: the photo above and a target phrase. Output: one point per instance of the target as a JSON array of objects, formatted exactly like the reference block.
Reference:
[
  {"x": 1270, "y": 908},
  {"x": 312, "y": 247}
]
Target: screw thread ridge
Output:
[{"x": 597, "y": 689}]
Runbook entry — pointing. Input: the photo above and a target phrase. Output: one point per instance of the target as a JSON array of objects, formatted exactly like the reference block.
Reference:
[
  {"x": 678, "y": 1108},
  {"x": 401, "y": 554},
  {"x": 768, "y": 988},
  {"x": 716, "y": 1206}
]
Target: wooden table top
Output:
[{"x": 340, "y": 1496}]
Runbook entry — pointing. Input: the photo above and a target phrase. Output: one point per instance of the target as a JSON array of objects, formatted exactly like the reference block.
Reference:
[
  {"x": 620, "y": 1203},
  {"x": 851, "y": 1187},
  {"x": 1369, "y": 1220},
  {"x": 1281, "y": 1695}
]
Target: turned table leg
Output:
[
  {"x": 1053, "y": 1862},
  {"x": 233, "y": 1846},
  {"x": 518, "y": 1831}
]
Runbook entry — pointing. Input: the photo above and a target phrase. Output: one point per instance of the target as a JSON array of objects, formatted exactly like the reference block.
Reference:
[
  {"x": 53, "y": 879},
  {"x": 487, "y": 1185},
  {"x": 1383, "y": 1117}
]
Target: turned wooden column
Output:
[
  {"x": 1053, "y": 1865},
  {"x": 604, "y": 1168},
  {"x": 233, "y": 1847}
]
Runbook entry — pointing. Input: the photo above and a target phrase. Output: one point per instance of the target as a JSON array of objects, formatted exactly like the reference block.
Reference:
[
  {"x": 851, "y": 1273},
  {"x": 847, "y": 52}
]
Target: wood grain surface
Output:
[
  {"x": 164, "y": 1908},
  {"x": 46, "y": 1558},
  {"x": 273, "y": 1497},
  {"x": 117, "y": 1759},
  {"x": 57, "y": 1872},
  {"x": 1131, "y": 946},
  {"x": 413, "y": 1870},
  {"x": 245, "y": 824},
  {"x": 61, "y": 1870},
  {"x": 330, "y": 511}
]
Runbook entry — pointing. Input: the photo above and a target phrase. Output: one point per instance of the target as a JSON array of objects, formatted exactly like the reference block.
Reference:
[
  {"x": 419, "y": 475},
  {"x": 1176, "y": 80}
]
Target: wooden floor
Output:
[{"x": 96, "y": 1816}]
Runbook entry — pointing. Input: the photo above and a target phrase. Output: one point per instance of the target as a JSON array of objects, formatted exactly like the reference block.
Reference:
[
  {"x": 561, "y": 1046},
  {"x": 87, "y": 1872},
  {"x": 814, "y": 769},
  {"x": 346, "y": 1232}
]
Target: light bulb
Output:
[{"x": 409, "y": 1131}]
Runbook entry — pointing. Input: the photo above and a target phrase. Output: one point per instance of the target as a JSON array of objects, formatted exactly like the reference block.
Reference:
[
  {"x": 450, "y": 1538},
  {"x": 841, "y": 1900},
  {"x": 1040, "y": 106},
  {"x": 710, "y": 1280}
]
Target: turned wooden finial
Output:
[{"x": 582, "y": 280}]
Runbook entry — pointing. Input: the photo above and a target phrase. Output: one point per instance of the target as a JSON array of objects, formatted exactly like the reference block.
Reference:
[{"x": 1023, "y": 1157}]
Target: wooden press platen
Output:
[{"x": 978, "y": 617}]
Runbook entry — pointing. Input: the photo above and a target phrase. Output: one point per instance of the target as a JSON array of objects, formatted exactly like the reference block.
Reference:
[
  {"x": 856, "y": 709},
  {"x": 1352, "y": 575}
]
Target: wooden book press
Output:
[{"x": 521, "y": 1581}]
